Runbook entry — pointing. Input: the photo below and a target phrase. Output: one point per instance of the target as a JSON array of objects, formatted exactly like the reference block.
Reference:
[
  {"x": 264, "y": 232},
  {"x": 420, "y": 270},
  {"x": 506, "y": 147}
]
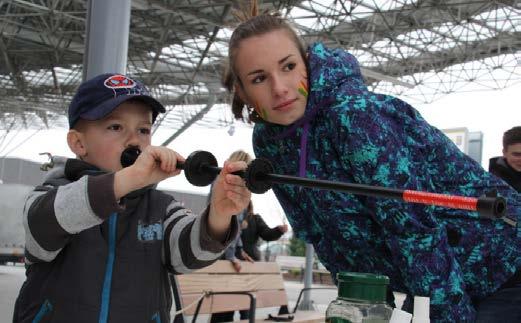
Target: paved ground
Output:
[{"x": 12, "y": 277}]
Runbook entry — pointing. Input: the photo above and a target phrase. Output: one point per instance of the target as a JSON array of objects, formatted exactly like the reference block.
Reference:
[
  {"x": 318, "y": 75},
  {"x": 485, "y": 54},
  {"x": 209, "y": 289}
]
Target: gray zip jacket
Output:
[{"x": 92, "y": 259}]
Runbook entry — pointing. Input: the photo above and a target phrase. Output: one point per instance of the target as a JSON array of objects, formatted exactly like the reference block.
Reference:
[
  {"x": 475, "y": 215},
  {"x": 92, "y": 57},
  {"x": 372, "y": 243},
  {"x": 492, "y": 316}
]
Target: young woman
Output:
[{"x": 316, "y": 118}]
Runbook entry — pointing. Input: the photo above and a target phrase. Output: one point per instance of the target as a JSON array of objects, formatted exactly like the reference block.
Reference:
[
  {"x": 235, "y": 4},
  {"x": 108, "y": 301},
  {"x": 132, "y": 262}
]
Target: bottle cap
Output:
[{"x": 362, "y": 287}]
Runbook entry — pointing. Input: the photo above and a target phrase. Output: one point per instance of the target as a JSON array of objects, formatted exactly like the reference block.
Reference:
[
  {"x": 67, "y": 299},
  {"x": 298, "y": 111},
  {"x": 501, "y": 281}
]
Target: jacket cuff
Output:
[
  {"x": 101, "y": 194},
  {"x": 210, "y": 244}
]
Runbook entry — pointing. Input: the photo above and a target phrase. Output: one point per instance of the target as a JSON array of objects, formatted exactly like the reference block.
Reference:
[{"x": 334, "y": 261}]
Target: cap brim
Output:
[{"x": 108, "y": 106}]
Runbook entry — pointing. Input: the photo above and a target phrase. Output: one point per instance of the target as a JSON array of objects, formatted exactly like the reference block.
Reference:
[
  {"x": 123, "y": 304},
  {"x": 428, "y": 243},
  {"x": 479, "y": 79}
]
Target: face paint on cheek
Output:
[
  {"x": 261, "y": 112},
  {"x": 303, "y": 88},
  {"x": 264, "y": 114}
]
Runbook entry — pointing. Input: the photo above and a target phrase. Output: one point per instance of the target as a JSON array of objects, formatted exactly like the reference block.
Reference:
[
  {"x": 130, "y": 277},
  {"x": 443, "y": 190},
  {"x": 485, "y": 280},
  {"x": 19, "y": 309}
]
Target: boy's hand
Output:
[
  {"x": 153, "y": 165},
  {"x": 229, "y": 197},
  {"x": 156, "y": 163}
]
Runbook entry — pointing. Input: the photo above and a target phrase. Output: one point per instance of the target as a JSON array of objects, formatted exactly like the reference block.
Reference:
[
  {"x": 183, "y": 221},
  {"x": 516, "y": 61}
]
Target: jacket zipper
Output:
[
  {"x": 45, "y": 309},
  {"x": 107, "y": 282},
  {"x": 156, "y": 318}
]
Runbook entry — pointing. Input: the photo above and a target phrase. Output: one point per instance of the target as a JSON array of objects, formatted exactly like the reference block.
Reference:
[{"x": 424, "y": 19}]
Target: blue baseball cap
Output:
[{"x": 98, "y": 97}]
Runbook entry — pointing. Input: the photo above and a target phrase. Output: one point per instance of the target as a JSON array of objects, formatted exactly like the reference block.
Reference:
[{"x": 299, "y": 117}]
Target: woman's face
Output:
[{"x": 273, "y": 76}]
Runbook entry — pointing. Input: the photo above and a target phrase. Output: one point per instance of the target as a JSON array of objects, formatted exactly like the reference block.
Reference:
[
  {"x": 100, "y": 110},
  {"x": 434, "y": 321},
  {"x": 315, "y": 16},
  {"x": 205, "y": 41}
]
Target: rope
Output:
[{"x": 184, "y": 309}]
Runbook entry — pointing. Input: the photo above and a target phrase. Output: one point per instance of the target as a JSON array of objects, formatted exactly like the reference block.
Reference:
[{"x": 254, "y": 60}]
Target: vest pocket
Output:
[
  {"x": 44, "y": 312},
  {"x": 156, "y": 318}
]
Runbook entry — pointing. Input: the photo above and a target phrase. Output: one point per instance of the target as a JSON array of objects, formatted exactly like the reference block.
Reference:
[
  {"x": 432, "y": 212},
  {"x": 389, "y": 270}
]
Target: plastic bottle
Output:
[{"x": 361, "y": 299}]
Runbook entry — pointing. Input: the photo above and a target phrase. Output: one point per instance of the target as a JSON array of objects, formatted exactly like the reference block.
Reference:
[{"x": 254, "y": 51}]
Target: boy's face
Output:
[
  {"x": 101, "y": 142},
  {"x": 513, "y": 156},
  {"x": 273, "y": 76}
]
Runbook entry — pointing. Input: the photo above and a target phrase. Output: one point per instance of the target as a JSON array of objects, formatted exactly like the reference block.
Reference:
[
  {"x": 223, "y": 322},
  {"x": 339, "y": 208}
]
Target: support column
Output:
[
  {"x": 307, "y": 303},
  {"x": 106, "y": 43}
]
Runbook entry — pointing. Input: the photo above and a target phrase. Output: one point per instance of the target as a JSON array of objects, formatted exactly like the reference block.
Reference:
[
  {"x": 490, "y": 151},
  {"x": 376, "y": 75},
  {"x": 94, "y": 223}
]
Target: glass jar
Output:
[{"x": 361, "y": 299}]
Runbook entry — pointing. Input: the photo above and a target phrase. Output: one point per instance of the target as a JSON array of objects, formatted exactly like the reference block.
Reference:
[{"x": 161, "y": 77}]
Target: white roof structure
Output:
[{"x": 417, "y": 49}]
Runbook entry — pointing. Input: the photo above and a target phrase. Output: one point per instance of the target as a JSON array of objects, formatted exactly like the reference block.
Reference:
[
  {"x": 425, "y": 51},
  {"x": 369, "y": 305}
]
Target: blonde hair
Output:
[
  {"x": 252, "y": 24},
  {"x": 240, "y": 155}
]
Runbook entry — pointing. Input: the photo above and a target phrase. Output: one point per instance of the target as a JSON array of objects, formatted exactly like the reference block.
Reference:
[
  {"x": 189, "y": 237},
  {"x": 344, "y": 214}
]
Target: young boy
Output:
[{"x": 100, "y": 240}]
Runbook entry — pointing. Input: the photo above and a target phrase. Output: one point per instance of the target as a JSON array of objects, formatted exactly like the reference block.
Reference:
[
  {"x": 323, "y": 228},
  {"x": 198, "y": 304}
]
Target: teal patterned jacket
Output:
[{"x": 357, "y": 136}]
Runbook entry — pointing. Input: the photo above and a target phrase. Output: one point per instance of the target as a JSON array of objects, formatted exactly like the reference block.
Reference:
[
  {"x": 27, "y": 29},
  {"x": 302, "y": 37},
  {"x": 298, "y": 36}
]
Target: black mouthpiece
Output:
[{"x": 129, "y": 156}]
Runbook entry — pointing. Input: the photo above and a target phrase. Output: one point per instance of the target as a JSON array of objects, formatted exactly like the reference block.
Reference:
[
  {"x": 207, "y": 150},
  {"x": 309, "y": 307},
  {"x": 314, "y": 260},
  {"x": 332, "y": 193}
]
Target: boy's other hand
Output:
[
  {"x": 229, "y": 197},
  {"x": 154, "y": 164}
]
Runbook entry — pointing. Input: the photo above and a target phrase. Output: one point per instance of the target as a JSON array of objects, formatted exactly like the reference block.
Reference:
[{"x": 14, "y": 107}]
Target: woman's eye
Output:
[
  {"x": 115, "y": 127},
  {"x": 258, "y": 79},
  {"x": 289, "y": 66}
]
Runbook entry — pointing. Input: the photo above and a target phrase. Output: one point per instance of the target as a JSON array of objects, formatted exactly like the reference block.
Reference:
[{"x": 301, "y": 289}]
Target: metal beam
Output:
[
  {"x": 191, "y": 121},
  {"x": 16, "y": 76}
]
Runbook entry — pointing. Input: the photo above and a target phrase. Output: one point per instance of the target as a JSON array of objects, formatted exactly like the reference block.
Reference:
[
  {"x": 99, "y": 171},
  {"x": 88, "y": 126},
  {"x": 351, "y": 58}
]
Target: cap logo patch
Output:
[
  {"x": 122, "y": 85},
  {"x": 119, "y": 82}
]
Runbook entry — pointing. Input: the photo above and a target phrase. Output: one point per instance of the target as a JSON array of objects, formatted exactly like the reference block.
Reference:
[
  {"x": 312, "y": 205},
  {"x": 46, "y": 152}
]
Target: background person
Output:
[
  {"x": 254, "y": 228},
  {"x": 508, "y": 167}
]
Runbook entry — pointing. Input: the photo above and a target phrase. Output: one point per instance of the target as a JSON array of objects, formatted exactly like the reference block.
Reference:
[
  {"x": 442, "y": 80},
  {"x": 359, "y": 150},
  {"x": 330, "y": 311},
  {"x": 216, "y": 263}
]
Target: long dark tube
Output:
[
  {"x": 489, "y": 207},
  {"x": 201, "y": 169}
]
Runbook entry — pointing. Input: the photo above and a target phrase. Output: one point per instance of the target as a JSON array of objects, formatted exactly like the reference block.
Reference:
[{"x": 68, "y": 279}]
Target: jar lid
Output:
[{"x": 363, "y": 287}]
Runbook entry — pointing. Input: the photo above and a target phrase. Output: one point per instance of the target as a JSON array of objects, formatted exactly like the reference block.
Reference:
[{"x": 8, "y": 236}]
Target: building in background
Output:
[
  {"x": 471, "y": 143},
  {"x": 20, "y": 171}
]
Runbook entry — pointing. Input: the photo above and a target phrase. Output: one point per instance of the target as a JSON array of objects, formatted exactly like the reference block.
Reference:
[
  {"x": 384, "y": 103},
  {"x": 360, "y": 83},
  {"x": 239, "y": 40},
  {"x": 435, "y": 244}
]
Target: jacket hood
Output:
[
  {"x": 328, "y": 71},
  {"x": 70, "y": 169}
]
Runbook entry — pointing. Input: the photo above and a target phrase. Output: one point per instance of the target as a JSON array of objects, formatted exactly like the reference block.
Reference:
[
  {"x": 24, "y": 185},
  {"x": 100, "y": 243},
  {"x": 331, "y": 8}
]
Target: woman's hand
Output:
[{"x": 229, "y": 197}]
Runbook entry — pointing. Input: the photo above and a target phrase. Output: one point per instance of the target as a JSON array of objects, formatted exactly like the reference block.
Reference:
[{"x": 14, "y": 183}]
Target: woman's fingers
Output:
[{"x": 230, "y": 167}]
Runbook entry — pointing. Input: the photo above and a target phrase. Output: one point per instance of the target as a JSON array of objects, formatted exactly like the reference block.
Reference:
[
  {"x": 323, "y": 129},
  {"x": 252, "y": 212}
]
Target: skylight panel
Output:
[
  {"x": 464, "y": 32},
  {"x": 503, "y": 19},
  {"x": 394, "y": 49},
  {"x": 367, "y": 59},
  {"x": 386, "y": 5},
  {"x": 304, "y": 18}
]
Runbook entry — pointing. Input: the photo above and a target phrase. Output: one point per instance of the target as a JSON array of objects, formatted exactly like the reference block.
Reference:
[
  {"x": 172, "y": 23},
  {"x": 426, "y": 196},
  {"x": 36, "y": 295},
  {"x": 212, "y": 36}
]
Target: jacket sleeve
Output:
[
  {"x": 187, "y": 243},
  {"x": 374, "y": 148},
  {"x": 266, "y": 232},
  {"x": 229, "y": 253},
  {"x": 234, "y": 247},
  {"x": 53, "y": 214}
]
